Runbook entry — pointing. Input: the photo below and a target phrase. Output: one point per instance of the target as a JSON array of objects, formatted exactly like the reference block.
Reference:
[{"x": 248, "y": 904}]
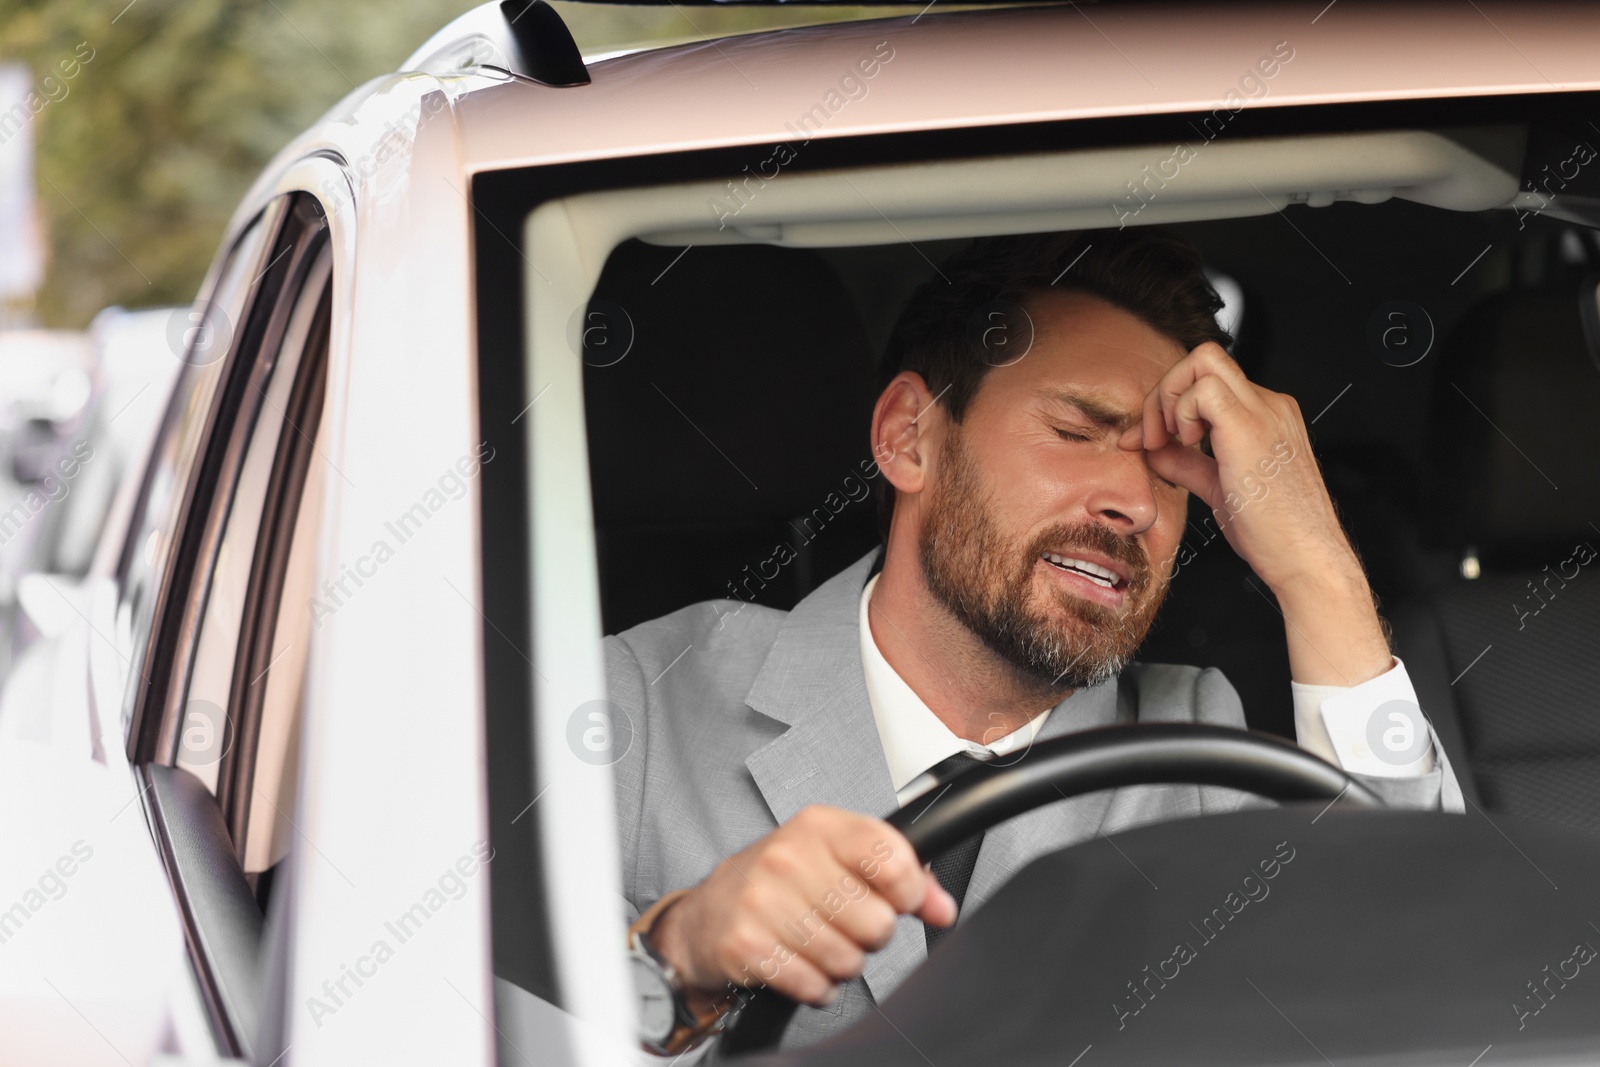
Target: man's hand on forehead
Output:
[
  {"x": 1266, "y": 492},
  {"x": 1206, "y": 398},
  {"x": 1259, "y": 480}
]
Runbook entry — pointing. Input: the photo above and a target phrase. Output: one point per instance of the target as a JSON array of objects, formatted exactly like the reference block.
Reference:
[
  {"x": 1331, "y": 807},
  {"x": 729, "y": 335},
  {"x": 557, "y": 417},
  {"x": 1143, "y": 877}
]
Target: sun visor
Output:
[{"x": 1155, "y": 184}]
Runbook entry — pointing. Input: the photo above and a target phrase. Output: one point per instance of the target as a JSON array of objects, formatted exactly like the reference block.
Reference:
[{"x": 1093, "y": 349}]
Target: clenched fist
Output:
[{"x": 799, "y": 909}]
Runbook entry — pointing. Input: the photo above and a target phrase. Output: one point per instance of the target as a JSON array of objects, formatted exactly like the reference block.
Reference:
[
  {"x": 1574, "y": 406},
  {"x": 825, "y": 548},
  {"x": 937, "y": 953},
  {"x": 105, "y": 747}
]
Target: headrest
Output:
[
  {"x": 1514, "y": 430},
  {"x": 746, "y": 392}
]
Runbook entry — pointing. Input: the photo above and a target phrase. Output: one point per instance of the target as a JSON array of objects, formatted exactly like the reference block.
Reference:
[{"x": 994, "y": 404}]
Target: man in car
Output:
[{"x": 1054, "y": 400}]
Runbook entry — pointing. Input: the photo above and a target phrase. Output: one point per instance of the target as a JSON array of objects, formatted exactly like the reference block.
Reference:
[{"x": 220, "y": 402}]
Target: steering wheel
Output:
[{"x": 1085, "y": 762}]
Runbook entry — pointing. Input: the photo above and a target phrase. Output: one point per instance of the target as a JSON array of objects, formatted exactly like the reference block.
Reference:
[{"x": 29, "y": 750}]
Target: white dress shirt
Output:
[{"x": 1329, "y": 721}]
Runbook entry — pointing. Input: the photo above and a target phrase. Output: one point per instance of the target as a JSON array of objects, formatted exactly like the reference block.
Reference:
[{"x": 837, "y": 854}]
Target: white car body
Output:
[{"x": 391, "y": 772}]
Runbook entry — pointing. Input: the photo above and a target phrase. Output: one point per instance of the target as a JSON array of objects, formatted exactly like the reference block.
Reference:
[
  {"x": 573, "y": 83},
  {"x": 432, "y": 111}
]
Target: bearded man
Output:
[{"x": 1051, "y": 402}]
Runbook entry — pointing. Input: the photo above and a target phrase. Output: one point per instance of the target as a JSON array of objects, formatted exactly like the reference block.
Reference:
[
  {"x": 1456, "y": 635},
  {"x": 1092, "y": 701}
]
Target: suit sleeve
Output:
[{"x": 1436, "y": 790}]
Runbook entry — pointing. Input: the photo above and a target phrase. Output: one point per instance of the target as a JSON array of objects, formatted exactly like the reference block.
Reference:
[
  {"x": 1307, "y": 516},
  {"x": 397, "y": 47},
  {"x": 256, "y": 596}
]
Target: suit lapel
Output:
[
  {"x": 830, "y": 755},
  {"x": 813, "y": 680}
]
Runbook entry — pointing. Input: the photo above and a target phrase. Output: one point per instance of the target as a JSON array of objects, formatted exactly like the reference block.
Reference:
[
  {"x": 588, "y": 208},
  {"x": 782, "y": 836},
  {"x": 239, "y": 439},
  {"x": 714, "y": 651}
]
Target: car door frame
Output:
[
  {"x": 191, "y": 824},
  {"x": 391, "y": 785}
]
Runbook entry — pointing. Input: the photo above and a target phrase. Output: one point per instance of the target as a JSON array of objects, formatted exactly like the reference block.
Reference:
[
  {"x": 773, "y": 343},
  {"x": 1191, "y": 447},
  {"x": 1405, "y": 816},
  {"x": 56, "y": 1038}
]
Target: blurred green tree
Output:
[
  {"x": 143, "y": 161},
  {"x": 183, "y": 102}
]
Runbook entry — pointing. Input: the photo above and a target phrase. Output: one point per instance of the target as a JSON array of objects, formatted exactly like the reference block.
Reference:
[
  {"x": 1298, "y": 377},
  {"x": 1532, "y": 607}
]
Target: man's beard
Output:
[{"x": 987, "y": 582}]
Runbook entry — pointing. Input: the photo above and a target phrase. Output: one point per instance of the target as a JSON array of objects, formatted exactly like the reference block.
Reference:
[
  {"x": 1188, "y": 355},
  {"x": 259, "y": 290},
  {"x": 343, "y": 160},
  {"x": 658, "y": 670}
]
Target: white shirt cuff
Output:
[{"x": 1342, "y": 724}]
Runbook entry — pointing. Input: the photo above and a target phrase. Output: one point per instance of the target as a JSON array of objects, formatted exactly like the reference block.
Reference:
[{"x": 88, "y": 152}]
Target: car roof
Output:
[
  {"x": 939, "y": 71},
  {"x": 1020, "y": 65}
]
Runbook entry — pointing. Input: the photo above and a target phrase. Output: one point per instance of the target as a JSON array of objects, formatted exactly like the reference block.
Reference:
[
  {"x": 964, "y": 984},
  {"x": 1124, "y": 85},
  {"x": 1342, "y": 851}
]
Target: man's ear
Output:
[{"x": 900, "y": 425}]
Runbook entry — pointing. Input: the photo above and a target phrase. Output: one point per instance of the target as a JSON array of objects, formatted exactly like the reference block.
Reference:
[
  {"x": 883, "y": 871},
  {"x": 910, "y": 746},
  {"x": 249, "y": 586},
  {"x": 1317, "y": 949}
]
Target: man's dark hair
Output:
[{"x": 956, "y": 326}]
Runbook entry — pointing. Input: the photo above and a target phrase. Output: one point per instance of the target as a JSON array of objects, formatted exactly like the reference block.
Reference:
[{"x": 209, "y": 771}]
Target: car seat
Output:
[{"x": 1505, "y": 656}]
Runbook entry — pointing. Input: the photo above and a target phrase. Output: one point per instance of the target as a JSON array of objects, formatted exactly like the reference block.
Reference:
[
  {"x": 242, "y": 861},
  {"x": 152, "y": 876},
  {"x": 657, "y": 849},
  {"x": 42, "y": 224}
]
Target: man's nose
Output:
[{"x": 1124, "y": 496}]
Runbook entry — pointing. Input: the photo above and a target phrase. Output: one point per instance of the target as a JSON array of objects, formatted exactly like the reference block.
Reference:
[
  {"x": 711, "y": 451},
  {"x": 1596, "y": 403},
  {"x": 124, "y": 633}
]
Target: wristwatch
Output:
[
  {"x": 667, "y": 1025},
  {"x": 658, "y": 998}
]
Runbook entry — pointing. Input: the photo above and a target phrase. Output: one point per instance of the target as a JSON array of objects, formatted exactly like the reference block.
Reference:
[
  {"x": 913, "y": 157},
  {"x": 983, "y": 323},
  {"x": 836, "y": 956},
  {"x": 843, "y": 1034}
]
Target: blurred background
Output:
[
  {"x": 128, "y": 133},
  {"x": 117, "y": 178}
]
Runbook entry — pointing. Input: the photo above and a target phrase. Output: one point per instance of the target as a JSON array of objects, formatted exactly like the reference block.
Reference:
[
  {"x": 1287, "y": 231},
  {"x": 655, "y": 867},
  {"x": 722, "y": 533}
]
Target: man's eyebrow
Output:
[{"x": 1096, "y": 411}]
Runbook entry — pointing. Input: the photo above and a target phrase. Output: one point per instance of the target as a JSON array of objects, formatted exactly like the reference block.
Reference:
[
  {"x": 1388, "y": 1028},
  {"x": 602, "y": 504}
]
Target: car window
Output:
[
  {"x": 266, "y": 645},
  {"x": 214, "y": 688},
  {"x": 228, "y": 474},
  {"x": 240, "y": 714},
  {"x": 204, "y": 341},
  {"x": 1442, "y": 357}
]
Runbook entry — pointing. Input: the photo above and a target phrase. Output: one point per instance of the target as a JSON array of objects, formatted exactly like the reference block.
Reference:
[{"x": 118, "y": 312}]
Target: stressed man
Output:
[{"x": 1036, "y": 495}]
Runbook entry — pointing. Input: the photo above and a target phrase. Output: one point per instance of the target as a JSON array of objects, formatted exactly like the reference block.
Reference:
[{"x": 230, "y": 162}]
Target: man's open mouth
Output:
[{"x": 1094, "y": 572}]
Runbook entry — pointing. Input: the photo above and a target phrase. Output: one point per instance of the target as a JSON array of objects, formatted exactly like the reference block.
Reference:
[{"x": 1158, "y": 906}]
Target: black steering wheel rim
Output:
[
  {"x": 1085, "y": 762},
  {"x": 1113, "y": 756}
]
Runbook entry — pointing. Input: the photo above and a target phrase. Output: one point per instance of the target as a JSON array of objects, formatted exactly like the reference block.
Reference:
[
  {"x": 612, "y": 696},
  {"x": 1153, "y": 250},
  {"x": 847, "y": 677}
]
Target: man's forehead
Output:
[
  {"x": 1082, "y": 328},
  {"x": 1114, "y": 412},
  {"x": 1089, "y": 355}
]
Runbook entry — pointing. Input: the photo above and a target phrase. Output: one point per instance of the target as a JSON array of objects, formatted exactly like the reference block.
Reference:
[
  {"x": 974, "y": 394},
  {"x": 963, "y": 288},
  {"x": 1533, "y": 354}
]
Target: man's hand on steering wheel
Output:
[
  {"x": 1266, "y": 492},
  {"x": 800, "y": 908}
]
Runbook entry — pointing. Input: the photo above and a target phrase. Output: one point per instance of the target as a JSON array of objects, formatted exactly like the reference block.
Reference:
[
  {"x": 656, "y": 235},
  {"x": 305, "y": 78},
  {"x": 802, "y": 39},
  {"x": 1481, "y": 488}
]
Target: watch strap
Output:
[{"x": 644, "y": 923}]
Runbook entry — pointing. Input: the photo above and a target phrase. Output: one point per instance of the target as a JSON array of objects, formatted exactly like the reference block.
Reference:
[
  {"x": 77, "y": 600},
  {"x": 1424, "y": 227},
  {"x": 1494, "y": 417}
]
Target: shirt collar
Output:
[{"x": 913, "y": 737}]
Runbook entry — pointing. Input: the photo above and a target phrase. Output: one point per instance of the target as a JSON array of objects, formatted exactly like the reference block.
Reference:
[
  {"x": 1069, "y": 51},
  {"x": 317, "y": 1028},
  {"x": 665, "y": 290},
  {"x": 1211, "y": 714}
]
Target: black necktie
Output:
[{"x": 954, "y": 867}]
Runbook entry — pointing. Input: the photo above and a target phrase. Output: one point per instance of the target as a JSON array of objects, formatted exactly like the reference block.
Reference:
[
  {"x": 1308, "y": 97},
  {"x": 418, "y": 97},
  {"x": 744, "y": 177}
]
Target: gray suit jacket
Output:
[{"x": 742, "y": 715}]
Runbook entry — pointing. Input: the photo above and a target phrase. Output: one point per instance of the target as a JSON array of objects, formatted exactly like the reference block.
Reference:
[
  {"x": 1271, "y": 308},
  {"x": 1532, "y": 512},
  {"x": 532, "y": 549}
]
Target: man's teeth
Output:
[{"x": 1092, "y": 571}]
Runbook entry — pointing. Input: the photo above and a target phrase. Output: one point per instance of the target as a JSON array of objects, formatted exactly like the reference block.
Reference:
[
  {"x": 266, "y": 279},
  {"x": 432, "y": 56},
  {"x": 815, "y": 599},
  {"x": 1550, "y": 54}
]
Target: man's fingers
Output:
[
  {"x": 799, "y": 979},
  {"x": 866, "y": 918},
  {"x": 823, "y": 891},
  {"x": 882, "y": 856},
  {"x": 1200, "y": 407},
  {"x": 827, "y": 949},
  {"x": 800, "y": 909},
  {"x": 1188, "y": 468},
  {"x": 778, "y": 940},
  {"x": 1206, "y": 361},
  {"x": 939, "y": 907},
  {"x": 1156, "y": 431}
]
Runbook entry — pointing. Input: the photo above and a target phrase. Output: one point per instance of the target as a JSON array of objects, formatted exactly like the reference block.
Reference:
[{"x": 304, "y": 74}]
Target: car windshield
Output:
[{"x": 717, "y": 470}]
